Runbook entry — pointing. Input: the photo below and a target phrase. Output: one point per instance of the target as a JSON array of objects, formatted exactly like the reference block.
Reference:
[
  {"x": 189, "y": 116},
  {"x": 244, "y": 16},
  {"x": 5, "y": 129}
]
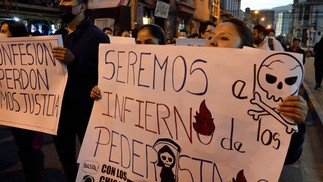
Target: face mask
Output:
[{"x": 66, "y": 14}]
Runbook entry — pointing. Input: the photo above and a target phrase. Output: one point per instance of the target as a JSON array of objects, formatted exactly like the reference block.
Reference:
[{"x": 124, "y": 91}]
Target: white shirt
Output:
[{"x": 265, "y": 46}]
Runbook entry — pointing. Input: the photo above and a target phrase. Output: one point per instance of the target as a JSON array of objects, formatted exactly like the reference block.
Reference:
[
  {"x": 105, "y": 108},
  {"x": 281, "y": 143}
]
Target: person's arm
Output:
[
  {"x": 294, "y": 107},
  {"x": 64, "y": 55},
  {"x": 95, "y": 93}
]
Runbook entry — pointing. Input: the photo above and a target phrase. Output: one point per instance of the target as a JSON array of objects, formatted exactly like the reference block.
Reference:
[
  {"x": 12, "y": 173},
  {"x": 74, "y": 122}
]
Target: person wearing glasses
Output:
[{"x": 206, "y": 30}]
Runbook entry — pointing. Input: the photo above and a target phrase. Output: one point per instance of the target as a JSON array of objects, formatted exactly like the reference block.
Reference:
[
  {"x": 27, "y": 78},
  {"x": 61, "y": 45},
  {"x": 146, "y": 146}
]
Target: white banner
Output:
[
  {"x": 32, "y": 83},
  {"x": 97, "y": 4},
  {"x": 171, "y": 113}
]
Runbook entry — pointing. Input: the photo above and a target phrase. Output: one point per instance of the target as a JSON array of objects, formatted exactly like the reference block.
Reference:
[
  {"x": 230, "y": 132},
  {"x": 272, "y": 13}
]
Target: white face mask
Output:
[{"x": 3, "y": 35}]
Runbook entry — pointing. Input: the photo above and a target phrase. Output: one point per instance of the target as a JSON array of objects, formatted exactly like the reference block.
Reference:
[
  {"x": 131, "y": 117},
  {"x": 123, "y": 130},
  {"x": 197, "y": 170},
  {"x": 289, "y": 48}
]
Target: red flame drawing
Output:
[
  {"x": 240, "y": 177},
  {"x": 204, "y": 122}
]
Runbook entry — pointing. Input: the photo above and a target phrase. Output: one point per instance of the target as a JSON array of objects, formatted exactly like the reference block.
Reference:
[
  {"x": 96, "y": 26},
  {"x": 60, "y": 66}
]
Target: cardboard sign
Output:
[
  {"x": 162, "y": 9},
  {"x": 97, "y": 4},
  {"x": 122, "y": 40},
  {"x": 32, "y": 83},
  {"x": 189, "y": 114},
  {"x": 190, "y": 42}
]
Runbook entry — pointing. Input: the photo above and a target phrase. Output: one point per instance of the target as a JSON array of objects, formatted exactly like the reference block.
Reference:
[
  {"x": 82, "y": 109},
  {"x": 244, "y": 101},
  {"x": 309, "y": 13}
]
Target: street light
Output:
[
  {"x": 16, "y": 19},
  {"x": 256, "y": 17}
]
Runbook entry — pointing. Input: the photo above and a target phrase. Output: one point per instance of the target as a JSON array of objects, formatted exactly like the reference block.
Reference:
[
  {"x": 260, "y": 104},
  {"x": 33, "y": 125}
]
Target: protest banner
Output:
[
  {"x": 97, "y": 4},
  {"x": 190, "y": 42},
  {"x": 174, "y": 113},
  {"x": 32, "y": 83}
]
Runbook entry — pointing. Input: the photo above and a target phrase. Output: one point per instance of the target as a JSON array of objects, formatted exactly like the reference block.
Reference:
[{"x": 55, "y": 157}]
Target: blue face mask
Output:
[{"x": 65, "y": 12}]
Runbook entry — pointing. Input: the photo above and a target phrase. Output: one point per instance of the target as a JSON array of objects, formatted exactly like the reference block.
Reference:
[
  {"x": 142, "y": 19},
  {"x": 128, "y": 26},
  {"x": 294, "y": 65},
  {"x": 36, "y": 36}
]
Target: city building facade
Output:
[
  {"x": 307, "y": 21},
  {"x": 283, "y": 26},
  {"x": 120, "y": 15}
]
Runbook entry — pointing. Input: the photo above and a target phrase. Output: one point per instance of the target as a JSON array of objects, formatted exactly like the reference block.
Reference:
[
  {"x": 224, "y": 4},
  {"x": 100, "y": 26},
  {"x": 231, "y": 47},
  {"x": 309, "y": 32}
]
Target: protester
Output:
[
  {"x": 108, "y": 31},
  {"x": 168, "y": 41},
  {"x": 172, "y": 40},
  {"x": 206, "y": 29},
  {"x": 80, "y": 53},
  {"x": 182, "y": 34},
  {"x": 296, "y": 48},
  {"x": 262, "y": 41},
  {"x": 151, "y": 34},
  {"x": 125, "y": 34},
  {"x": 318, "y": 63},
  {"x": 271, "y": 33},
  {"x": 235, "y": 34},
  {"x": 231, "y": 33},
  {"x": 28, "y": 142}
]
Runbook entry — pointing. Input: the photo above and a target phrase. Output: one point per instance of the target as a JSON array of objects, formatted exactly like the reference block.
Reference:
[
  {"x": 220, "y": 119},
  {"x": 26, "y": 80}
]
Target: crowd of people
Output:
[{"x": 80, "y": 53}]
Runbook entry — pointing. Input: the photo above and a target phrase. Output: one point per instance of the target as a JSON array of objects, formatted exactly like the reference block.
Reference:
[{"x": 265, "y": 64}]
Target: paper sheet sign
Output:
[
  {"x": 32, "y": 83},
  {"x": 189, "y": 114}
]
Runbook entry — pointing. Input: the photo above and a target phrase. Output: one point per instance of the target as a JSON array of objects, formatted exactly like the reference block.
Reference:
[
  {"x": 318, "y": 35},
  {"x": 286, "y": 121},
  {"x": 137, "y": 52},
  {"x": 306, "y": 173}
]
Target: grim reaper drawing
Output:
[{"x": 168, "y": 154}]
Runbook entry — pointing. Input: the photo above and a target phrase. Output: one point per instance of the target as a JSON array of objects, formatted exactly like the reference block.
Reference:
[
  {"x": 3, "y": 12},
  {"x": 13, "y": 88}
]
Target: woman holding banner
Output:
[
  {"x": 28, "y": 142},
  {"x": 233, "y": 33}
]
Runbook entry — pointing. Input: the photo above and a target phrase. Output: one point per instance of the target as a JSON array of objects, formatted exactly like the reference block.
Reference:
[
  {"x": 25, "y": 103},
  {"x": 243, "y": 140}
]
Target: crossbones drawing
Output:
[
  {"x": 267, "y": 110},
  {"x": 275, "y": 86}
]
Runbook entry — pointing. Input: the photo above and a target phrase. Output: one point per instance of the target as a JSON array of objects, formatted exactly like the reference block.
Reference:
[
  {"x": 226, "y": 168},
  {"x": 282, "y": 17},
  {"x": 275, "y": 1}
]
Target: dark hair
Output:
[
  {"x": 156, "y": 31},
  {"x": 194, "y": 35},
  {"x": 260, "y": 29},
  {"x": 183, "y": 30},
  {"x": 295, "y": 38},
  {"x": 244, "y": 32},
  {"x": 270, "y": 30},
  {"x": 107, "y": 28},
  {"x": 16, "y": 28},
  {"x": 321, "y": 41},
  {"x": 83, "y": 1},
  {"x": 203, "y": 26},
  {"x": 36, "y": 33}
]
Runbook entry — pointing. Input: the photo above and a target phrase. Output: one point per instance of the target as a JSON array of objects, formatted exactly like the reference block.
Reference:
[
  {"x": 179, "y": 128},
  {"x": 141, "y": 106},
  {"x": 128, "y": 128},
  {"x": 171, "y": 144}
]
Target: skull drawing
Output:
[
  {"x": 273, "y": 83},
  {"x": 167, "y": 159}
]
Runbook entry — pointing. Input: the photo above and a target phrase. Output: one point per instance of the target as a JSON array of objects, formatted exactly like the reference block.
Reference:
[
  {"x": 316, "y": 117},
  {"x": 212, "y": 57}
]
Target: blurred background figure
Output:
[
  {"x": 318, "y": 63},
  {"x": 28, "y": 142},
  {"x": 182, "y": 34},
  {"x": 125, "y": 34},
  {"x": 262, "y": 41},
  {"x": 206, "y": 29},
  {"x": 296, "y": 48},
  {"x": 108, "y": 31},
  {"x": 271, "y": 32}
]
